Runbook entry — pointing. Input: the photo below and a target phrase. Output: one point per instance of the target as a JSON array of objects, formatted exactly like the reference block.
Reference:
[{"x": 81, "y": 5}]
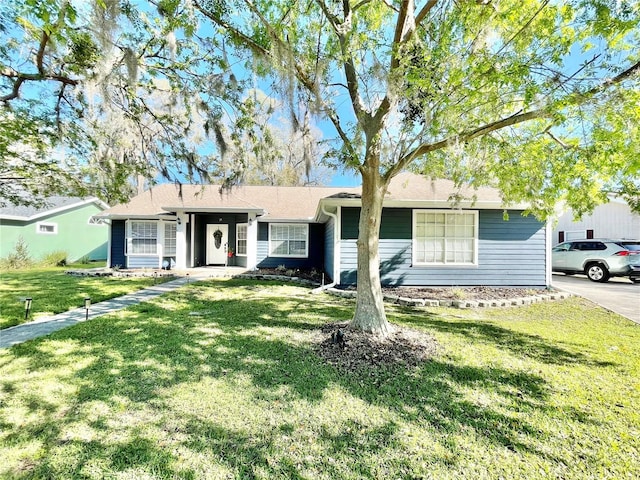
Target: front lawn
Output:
[
  {"x": 220, "y": 380},
  {"x": 54, "y": 292}
]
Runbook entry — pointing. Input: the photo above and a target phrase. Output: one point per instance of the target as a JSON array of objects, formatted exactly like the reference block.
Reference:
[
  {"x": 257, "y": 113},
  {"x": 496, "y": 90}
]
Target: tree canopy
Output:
[
  {"x": 535, "y": 97},
  {"x": 95, "y": 94}
]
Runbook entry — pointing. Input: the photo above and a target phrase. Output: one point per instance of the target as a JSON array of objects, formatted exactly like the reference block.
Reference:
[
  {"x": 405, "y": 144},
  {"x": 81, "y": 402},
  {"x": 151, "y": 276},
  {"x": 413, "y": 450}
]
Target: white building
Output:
[{"x": 613, "y": 220}]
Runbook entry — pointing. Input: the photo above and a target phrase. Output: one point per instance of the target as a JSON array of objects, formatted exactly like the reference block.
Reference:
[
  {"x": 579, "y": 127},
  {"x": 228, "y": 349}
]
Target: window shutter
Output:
[
  {"x": 560, "y": 237},
  {"x": 589, "y": 233}
]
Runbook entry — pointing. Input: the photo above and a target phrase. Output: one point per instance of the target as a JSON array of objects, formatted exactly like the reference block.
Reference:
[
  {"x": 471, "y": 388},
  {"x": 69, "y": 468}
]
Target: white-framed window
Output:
[
  {"x": 169, "y": 239},
  {"x": 143, "y": 238},
  {"x": 289, "y": 240},
  {"x": 241, "y": 239},
  {"x": 47, "y": 228},
  {"x": 444, "y": 237}
]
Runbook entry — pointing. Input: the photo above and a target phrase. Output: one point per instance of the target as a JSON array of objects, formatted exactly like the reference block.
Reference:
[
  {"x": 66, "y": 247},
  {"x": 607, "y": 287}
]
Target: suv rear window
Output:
[
  {"x": 586, "y": 246},
  {"x": 631, "y": 246}
]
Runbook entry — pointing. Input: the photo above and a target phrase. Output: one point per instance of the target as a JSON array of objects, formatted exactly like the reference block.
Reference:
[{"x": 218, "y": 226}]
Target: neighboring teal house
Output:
[{"x": 64, "y": 224}]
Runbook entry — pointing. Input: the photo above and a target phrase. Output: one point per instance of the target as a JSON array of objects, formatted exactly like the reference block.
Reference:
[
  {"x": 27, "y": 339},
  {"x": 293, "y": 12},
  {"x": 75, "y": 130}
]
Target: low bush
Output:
[
  {"x": 55, "y": 259},
  {"x": 18, "y": 258}
]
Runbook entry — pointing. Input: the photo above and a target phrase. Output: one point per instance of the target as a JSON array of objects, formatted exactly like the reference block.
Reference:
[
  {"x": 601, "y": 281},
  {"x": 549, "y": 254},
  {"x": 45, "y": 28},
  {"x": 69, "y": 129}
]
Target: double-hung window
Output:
[
  {"x": 445, "y": 237},
  {"x": 241, "y": 239},
  {"x": 143, "y": 238},
  {"x": 288, "y": 240}
]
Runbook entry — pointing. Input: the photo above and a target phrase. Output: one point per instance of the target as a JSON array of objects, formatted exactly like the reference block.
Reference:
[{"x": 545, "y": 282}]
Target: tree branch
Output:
[
  {"x": 15, "y": 91},
  {"x": 341, "y": 29},
  {"x": 515, "y": 119},
  {"x": 424, "y": 11},
  {"x": 402, "y": 32},
  {"x": 248, "y": 41},
  {"x": 20, "y": 78}
]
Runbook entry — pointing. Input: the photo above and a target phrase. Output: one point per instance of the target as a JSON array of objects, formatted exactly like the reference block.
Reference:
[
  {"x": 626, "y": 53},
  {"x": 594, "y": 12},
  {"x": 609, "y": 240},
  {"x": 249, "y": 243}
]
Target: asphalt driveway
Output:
[{"x": 618, "y": 294}]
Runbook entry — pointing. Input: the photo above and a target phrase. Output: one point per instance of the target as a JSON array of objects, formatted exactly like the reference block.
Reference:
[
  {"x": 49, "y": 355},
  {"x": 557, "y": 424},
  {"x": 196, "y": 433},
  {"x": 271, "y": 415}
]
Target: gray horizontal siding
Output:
[
  {"x": 143, "y": 262},
  {"x": 509, "y": 253}
]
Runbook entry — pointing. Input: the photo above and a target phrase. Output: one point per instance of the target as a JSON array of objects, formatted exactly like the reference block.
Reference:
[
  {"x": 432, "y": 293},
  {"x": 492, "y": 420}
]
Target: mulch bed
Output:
[
  {"x": 357, "y": 350},
  {"x": 313, "y": 275},
  {"x": 463, "y": 293}
]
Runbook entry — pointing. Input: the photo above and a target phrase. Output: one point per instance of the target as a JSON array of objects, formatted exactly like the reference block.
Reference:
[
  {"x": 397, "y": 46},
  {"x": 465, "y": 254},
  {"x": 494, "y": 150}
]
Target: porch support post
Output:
[
  {"x": 181, "y": 241},
  {"x": 548, "y": 234},
  {"x": 252, "y": 242}
]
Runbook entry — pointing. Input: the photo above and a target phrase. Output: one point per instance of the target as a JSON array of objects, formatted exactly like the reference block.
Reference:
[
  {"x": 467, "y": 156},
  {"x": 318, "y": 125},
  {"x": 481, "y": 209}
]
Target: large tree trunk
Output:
[{"x": 370, "y": 315}]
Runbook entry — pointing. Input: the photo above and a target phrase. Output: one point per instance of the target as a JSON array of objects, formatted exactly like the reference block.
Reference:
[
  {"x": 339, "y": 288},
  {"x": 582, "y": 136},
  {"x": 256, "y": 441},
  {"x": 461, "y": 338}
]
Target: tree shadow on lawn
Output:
[
  {"x": 154, "y": 346},
  {"x": 518, "y": 343}
]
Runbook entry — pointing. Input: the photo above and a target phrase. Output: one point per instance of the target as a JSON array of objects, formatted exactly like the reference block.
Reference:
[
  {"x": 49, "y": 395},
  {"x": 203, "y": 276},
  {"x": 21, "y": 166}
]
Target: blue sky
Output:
[{"x": 346, "y": 179}]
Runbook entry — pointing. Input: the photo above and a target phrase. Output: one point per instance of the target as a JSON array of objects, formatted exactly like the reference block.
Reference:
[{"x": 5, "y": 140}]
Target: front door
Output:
[{"x": 217, "y": 244}]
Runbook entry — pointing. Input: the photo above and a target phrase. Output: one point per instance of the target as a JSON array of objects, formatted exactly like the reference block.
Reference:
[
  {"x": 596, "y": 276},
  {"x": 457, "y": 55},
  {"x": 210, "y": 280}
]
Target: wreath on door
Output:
[{"x": 217, "y": 235}]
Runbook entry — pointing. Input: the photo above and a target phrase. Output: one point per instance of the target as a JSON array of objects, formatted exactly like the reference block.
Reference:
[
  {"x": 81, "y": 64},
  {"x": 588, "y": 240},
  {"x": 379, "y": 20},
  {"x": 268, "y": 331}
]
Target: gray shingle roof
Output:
[
  {"x": 286, "y": 202},
  {"x": 51, "y": 203}
]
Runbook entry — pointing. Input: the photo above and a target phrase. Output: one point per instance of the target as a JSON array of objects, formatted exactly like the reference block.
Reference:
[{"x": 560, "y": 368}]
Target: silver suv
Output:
[{"x": 598, "y": 259}]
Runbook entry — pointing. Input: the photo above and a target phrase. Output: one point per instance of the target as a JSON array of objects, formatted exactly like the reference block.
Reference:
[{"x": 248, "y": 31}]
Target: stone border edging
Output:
[
  {"x": 119, "y": 274},
  {"x": 424, "y": 302}
]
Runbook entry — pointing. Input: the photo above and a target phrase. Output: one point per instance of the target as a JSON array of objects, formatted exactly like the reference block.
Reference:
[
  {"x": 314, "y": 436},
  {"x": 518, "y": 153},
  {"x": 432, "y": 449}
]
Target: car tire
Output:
[{"x": 596, "y": 272}]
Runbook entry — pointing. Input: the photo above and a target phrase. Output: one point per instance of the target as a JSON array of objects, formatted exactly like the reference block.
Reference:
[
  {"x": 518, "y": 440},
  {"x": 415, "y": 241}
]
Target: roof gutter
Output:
[{"x": 439, "y": 204}]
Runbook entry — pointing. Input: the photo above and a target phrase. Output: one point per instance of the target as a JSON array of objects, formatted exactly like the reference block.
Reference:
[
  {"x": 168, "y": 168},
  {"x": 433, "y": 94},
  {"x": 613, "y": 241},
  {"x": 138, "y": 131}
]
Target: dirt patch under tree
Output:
[{"x": 348, "y": 349}]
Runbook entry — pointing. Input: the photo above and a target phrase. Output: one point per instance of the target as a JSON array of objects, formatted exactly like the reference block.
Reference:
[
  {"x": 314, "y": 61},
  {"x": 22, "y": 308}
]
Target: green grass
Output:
[
  {"x": 54, "y": 292},
  {"x": 218, "y": 380}
]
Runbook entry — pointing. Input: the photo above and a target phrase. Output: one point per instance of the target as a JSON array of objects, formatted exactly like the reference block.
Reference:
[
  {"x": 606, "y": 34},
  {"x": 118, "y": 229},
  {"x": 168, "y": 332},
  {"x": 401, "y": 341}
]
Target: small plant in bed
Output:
[{"x": 305, "y": 273}]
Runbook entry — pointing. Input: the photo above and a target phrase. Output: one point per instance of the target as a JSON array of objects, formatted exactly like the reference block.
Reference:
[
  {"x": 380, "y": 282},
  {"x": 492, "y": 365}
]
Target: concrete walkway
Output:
[{"x": 46, "y": 325}]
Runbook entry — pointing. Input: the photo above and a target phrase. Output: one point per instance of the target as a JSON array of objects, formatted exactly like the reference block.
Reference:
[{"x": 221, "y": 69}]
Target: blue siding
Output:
[
  {"x": 143, "y": 261},
  {"x": 329, "y": 229},
  {"x": 316, "y": 249},
  {"x": 510, "y": 252},
  {"x": 118, "y": 234}
]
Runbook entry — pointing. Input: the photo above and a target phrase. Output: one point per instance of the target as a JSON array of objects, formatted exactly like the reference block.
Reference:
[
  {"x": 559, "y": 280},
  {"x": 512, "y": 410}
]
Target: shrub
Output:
[
  {"x": 459, "y": 293},
  {"x": 57, "y": 258},
  {"x": 85, "y": 260},
  {"x": 19, "y": 258}
]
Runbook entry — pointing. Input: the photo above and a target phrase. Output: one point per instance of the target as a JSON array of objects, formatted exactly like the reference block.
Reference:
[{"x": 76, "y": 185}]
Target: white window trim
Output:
[
  {"x": 445, "y": 264},
  {"x": 47, "y": 224},
  {"x": 159, "y": 238},
  {"x": 163, "y": 243},
  {"x": 246, "y": 225},
  {"x": 306, "y": 243}
]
